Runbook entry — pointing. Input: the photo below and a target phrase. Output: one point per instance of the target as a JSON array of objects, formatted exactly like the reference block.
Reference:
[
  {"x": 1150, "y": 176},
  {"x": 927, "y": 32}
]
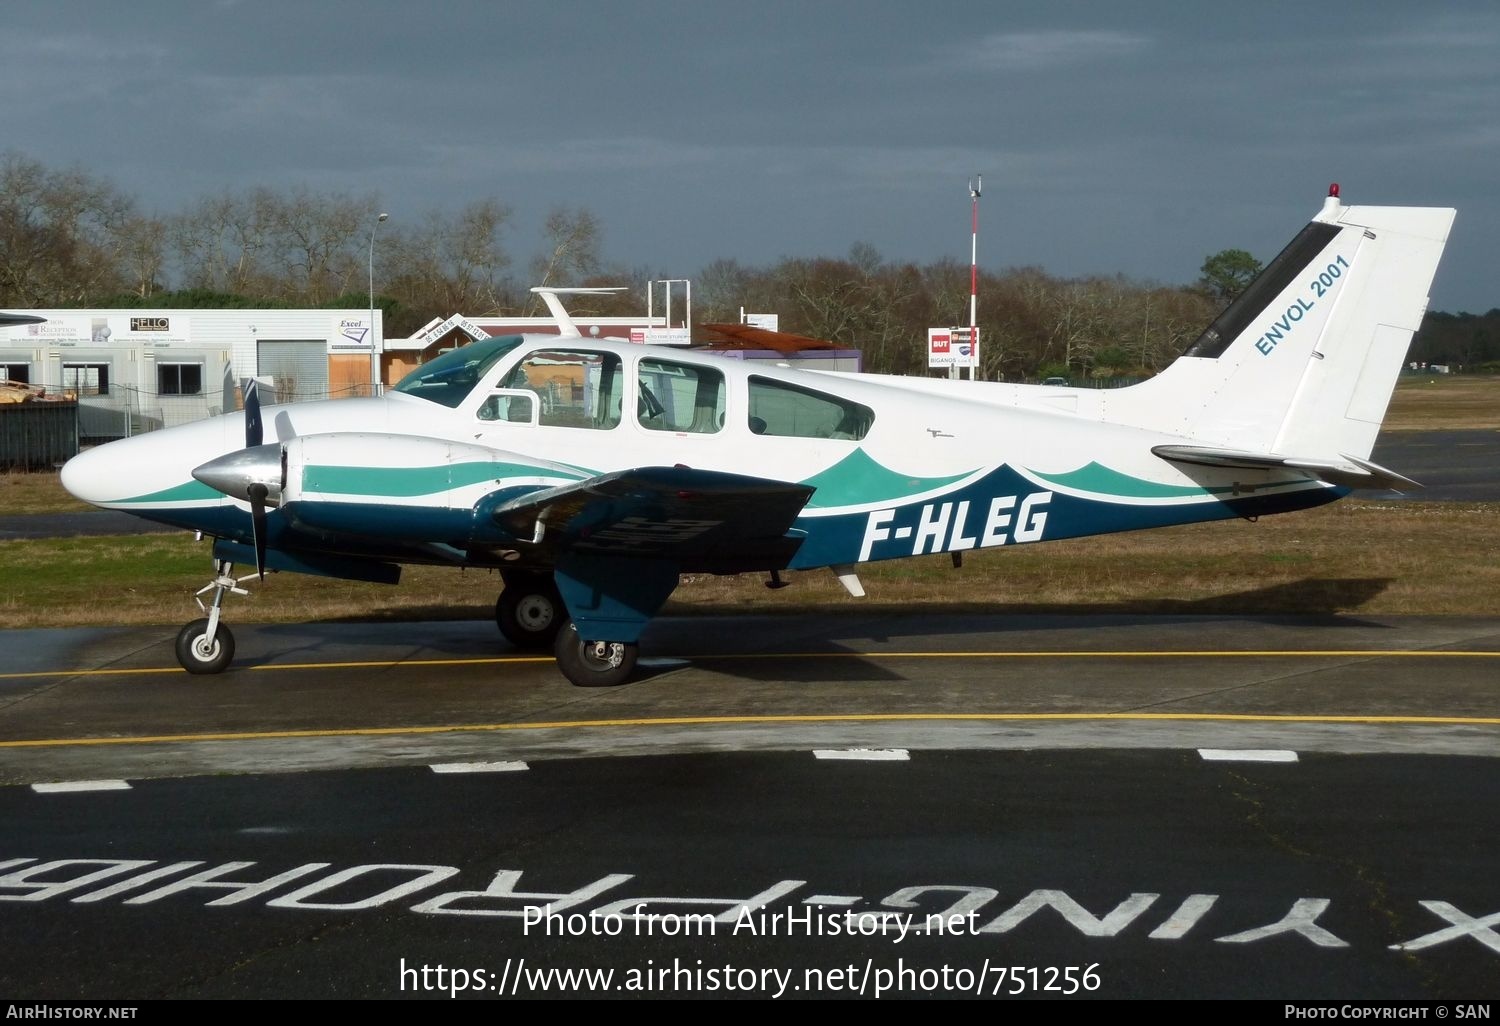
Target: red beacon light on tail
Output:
[{"x": 1331, "y": 205}]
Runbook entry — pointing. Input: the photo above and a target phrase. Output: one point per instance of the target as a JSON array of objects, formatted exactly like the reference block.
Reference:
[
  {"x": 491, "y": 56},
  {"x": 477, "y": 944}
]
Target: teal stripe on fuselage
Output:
[
  {"x": 1104, "y": 481},
  {"x": 191, "y": 491},
  {"x": 858, "y": 480}
]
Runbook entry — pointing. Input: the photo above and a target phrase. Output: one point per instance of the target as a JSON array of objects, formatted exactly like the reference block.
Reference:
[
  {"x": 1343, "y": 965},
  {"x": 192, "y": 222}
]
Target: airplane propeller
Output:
[
  {"x": 254, "y": 435},
  {"x": 256, "y": 473},
  {"x": 258, "y": 493}
]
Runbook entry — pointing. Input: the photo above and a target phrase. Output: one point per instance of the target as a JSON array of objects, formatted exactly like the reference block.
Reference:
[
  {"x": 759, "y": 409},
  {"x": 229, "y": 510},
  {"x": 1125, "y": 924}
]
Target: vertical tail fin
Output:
[{"x": 1305, "y": 360}]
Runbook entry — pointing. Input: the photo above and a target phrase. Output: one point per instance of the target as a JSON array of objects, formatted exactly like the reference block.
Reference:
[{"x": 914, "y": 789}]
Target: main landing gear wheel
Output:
[
  {"x": 530, "y": 614},
  {"x": 201, "y": 652},
  {"x": 594, "y": 664}
]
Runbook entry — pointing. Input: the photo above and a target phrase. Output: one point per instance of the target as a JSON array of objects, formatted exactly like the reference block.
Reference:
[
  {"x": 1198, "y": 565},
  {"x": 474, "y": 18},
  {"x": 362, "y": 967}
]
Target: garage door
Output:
[{"x": 299, "y": 368}]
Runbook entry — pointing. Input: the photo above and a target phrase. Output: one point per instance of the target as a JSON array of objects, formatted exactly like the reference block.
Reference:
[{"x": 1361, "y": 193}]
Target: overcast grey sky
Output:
[{"x": 1114, "y": 137}]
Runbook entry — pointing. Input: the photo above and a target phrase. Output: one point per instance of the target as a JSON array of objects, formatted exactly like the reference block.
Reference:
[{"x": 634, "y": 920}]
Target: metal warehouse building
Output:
[{"x": 136, "y": 370}]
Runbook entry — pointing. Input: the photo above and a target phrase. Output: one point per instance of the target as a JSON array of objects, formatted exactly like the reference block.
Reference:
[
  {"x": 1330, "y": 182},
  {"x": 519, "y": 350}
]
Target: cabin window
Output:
[
  {"x": 450, "y": 378},
  {"x": 512, "y": 407},
  {"x": 679, "y": 397},
  {"x": 179, "y": 378},
  {"x": 574, "y": 388},
  {"x": 86, "y": 378},
  {"x": 777, "y": 408}
]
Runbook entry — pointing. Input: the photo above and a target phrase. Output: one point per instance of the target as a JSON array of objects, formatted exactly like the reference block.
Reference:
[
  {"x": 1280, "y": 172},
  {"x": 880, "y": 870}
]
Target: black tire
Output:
[
  {"x": 198, "y": 653},
  {"x": 530, "y": 613},
  {"x": 582, "y": 665}
]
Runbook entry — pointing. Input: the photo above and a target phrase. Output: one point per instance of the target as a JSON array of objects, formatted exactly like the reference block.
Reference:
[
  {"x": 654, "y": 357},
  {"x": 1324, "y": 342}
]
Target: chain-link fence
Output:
[
  {"x": 44, "y": 435},
  {"x": 127, "y": 410}
]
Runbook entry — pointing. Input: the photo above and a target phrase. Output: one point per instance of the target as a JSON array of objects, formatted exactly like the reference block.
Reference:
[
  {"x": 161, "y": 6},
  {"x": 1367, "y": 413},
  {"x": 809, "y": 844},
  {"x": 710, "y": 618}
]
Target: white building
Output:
[{"x": 139, "y": 369}]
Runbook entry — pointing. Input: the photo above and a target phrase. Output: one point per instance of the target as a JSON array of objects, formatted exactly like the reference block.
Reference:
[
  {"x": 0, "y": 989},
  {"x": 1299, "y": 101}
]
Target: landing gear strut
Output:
[
  {"x": 529, "y": 611},
  {"x": 206, "y": 645},
  {"x": 594, "y": 664}
]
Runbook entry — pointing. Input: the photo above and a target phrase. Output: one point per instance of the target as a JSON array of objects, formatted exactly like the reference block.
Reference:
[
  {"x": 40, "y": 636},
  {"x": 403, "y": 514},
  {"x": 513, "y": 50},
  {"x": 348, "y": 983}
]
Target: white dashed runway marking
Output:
[{"x": 69, "y": 786}]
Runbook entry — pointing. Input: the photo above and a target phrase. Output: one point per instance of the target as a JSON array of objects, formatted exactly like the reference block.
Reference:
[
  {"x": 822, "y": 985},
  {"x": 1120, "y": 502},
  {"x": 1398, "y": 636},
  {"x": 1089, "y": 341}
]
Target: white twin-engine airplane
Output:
[{"x": 592, "y": 472}]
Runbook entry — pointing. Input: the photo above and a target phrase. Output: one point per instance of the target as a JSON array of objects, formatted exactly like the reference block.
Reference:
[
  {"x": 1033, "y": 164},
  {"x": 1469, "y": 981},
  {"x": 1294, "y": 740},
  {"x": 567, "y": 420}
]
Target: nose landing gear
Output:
[{"x": 206, "y": 645}]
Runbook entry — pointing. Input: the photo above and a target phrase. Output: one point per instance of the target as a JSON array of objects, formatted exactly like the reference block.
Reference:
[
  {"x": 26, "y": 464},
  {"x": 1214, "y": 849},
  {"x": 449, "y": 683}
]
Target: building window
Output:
[
  {"x": 179, "y": 378},
  {"x": 86, "y": 378},
  {"x": 17, "y": 372}
]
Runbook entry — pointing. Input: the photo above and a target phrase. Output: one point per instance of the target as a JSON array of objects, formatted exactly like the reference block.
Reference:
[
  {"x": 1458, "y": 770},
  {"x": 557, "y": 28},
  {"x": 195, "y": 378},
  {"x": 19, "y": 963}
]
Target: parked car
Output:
[{"x": 1055, "y": 381}]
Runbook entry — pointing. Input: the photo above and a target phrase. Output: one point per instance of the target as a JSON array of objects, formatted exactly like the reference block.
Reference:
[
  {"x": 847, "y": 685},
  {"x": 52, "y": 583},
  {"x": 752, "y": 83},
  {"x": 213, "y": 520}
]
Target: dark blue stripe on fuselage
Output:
[
  {"x": 411, "y": 524},
  {"x": 1024, "y": 513},
  {"x": 224, "y": 521}
]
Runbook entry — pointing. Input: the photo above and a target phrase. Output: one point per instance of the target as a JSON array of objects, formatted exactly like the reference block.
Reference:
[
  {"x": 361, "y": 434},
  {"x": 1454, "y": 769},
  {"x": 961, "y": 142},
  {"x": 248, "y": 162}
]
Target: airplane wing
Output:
[{"x": 705, "y": 520}]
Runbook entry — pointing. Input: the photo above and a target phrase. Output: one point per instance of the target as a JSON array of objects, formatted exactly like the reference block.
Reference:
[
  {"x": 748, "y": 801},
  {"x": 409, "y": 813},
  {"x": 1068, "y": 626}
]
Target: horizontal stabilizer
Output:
[
  {"x": 1347, "y": 471},
  {"x": 705, "y": 520}
]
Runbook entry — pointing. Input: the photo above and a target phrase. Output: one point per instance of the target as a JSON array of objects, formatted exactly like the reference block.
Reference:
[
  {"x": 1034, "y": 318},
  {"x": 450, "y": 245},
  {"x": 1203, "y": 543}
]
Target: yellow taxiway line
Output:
[
  {"x": 693, "y": 721},
  {"x": 1352, "y": 653}
]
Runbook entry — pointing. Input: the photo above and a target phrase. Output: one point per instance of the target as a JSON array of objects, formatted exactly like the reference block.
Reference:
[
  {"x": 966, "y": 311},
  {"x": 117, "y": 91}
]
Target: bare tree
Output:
[
  {"x": 573, "y": 236},
  {"x": 318, "y": 239},
  {"x": 56, "y": 234},
  {"x": 449, "y": 265},
  {"x": 141, "y": 243},
  {"x": 221, "y": 242},
  {"x": 69, "y": 239},
  {"x": 720, "y": 291}
]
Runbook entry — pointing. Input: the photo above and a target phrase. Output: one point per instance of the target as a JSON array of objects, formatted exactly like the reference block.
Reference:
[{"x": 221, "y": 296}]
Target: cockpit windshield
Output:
[{"x": 452, "y": 376}]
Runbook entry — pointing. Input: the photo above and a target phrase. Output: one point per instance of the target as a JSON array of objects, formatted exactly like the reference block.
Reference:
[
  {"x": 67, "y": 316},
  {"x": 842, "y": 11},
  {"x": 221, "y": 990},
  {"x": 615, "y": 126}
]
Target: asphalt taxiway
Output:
[{"x": 113, "y": 703}]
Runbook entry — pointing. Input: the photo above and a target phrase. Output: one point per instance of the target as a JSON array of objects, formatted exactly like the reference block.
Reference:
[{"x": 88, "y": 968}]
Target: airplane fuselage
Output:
[{"x": 945, "y": 466}]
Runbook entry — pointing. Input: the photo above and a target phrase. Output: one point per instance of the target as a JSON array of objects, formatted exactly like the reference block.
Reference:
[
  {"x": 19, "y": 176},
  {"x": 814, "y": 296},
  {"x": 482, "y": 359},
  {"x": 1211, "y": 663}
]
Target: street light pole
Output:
[{"x": 374, "y": 352}]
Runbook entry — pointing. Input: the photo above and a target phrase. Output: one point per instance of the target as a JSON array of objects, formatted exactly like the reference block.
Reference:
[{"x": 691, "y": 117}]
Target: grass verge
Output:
[{"x": 1404, "y": 558}]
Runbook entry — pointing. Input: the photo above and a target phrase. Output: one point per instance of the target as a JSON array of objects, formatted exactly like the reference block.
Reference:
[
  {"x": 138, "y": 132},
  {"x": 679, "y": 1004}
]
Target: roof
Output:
[{"x": 743, "y": 336}]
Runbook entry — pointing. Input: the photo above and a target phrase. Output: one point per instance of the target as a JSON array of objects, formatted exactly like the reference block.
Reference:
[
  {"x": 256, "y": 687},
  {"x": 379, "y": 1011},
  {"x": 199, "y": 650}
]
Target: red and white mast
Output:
[{"x": 974, "y": 187}]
